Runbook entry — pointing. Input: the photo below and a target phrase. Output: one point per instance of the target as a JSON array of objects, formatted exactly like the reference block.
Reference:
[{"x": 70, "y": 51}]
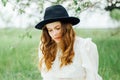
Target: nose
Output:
[{"x": 54, "y": 32}]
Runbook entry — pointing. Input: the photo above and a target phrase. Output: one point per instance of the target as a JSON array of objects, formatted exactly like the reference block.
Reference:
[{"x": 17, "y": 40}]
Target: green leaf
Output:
[
  {"x": 21, "y": 11},
  {"x": 78, "y": 9},
  {"x": 4, "y": 2},
  {"x": 18, "y": 0},
  {"x": 75, "y": 2},
  {"x": 115, "y": 14},
  {"x": 86, "y": 4}
]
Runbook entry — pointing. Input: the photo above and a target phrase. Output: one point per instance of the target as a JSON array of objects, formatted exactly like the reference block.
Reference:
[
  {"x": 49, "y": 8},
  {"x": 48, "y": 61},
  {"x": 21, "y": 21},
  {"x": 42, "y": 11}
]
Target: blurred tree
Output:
[
  {"x": 77, "y": 5},
  {"x": 112, "y": 4},
  {"x": 114, "y": 7},
  {"x": 4, "y": 2},
  {"x": 115, "y": 14}
]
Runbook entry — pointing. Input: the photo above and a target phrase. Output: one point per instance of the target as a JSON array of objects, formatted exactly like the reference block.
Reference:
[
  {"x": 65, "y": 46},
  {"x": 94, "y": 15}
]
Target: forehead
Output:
[{"x": 53, "y": 24}]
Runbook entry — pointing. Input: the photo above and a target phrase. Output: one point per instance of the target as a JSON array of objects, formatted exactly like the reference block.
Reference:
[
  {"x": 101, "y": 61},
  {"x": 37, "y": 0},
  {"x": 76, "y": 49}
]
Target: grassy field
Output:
[{"x": 19, "y": 58}]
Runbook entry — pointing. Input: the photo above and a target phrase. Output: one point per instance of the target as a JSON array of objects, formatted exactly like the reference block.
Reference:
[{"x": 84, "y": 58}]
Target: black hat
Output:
[{"x": 56, "y": 13}]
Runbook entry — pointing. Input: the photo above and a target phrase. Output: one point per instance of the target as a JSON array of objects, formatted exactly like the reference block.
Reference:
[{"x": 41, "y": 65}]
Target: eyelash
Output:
[
  {"x": 49, "y": 30},
  {"x": 56, "y": 29}
]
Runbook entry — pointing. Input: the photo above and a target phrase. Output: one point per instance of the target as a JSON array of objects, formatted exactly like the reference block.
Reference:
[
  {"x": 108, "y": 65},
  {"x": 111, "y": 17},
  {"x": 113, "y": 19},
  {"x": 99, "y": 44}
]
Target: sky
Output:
[{"x": 88, "y": 19}]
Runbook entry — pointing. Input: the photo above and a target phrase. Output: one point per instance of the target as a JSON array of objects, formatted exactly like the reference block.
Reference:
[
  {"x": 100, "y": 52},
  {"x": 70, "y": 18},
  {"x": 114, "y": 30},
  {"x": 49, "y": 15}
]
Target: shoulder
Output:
[
  {"x": 84, "y": 41},
  {"x": 85, "y": 45}
]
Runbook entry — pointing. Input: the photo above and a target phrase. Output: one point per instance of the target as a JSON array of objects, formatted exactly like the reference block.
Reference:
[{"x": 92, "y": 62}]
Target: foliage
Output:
[
  {"x": 4, "y": 2},
  {"x": 77, "y": 6},
  {"x": 112, "y": 4},
  {"x": 74, "y": 5},
  {"x": 115, "y": 14},
  {"x": 114, "y": 7},
  {"x": 21, "y": 5}
]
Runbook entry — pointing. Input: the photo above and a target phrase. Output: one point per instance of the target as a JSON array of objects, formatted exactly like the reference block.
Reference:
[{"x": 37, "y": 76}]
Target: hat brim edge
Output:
[{"x": 72, "y": 20}]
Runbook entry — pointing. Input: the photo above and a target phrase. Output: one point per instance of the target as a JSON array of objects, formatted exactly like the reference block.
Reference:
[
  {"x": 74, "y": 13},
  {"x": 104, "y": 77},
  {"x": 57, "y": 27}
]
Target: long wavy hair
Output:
[{"x": 49, "y": 47}]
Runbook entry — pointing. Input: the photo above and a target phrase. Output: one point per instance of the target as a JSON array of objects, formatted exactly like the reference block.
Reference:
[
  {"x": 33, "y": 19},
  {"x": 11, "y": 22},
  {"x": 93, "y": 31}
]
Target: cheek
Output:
[
  {"x": 50, "y": 34},
  {"x": 60, "y": 32}
]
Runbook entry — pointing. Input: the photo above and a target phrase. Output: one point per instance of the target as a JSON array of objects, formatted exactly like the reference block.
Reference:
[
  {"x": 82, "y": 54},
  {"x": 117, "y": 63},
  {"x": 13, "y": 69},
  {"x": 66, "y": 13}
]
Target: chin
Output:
[{"x": 57, "y": 41}]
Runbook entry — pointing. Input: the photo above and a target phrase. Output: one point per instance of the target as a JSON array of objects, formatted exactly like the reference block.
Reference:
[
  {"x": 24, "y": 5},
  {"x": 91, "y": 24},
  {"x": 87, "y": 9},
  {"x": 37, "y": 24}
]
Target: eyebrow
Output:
[{"x": 54, "y": 27}]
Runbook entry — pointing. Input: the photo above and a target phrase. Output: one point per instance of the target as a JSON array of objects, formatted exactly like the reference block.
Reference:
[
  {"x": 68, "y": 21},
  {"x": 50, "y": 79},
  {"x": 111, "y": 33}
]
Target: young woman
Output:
[{"x": 62, "y": 54}]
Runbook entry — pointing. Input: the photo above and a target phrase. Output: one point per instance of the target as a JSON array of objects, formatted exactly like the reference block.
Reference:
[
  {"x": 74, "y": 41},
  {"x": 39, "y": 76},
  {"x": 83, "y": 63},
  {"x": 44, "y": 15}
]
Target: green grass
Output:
[{"x": 19, "y": 58}]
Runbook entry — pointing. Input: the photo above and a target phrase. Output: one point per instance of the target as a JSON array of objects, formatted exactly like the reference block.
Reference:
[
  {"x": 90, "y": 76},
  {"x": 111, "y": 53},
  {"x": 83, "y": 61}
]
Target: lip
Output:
[{"x": 57, "y": 37}]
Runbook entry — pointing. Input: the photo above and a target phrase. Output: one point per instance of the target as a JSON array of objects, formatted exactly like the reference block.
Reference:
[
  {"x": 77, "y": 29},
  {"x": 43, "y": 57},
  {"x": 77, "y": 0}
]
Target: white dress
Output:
[{"x": 84, "y": 66}]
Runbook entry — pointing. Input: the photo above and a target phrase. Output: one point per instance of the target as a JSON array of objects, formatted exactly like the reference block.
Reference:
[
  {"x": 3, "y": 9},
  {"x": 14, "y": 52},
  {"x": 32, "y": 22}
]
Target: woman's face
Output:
[{"x": 55, "y": 31}]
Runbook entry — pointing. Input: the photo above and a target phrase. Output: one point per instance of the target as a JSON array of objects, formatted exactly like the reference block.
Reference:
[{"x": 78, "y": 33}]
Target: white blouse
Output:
[{"x": 84, "y": 66}]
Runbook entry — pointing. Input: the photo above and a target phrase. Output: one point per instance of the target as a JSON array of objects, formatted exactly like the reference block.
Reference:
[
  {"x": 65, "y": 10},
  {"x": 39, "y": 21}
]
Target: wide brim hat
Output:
[{"x": 56, "y": 13}]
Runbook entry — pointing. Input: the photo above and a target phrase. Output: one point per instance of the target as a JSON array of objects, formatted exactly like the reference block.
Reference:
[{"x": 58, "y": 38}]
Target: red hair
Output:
[{"x": 49, "y": 47}]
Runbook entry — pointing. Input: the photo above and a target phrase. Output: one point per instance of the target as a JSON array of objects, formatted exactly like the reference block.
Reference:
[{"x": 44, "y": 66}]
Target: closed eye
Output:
[
  {"x": 49, "y": 30},
  {"x": 57, "y": 28}
]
